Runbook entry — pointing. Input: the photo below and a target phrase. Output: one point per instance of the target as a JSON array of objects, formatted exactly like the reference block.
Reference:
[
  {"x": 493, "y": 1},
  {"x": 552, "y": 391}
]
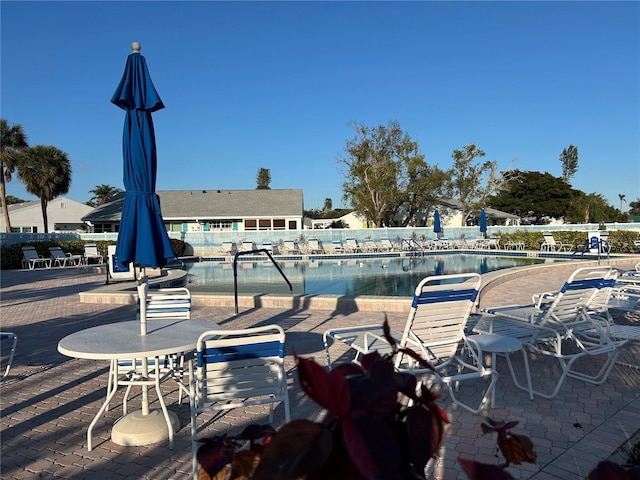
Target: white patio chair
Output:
[
  {"x": 173, "y": 303},
  {"x": 434, "y": 329},
  {"x": 31, "y": 259},
  {"x": 116, "y": 271},
  {"x": 64, "y": 259},
  {"x": 91, "y": 253},
  {"x": 562, "y": 329},
  {"x": 234, "y": 369},
  {"x": 8, "y": 336}
]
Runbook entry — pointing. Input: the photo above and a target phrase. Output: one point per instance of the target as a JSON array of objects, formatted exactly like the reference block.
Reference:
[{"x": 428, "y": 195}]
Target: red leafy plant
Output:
[{"x": 379, "y": 424}]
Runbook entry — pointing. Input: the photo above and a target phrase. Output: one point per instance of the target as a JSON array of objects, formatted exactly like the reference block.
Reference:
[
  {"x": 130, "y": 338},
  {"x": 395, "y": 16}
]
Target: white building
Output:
[{"x": 63, "y": 214}]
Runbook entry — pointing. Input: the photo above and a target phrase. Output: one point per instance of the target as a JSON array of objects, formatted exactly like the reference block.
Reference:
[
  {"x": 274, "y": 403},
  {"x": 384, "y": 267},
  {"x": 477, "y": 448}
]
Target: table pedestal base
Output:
[{"x": 136, "y": 429}]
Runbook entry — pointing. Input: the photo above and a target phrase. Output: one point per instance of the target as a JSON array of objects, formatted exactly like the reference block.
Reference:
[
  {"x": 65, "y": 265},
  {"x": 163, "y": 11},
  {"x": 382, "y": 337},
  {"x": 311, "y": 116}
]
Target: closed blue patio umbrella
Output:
[
  {"x": 437, "y": 228},
  {"x": 142, "y": 238},
  {"x": 483, "y": 223}
]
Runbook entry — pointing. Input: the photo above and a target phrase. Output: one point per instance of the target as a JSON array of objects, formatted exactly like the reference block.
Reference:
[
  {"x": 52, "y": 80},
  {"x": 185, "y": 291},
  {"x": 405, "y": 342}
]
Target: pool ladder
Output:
[{"x": 252, "y": 252}]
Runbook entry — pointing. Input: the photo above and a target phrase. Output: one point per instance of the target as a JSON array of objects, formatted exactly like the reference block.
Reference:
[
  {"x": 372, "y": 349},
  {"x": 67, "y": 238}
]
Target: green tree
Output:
[
  {"x": 13, "y": 141},
  {"x": 263, "y": 179},
  {"x": 102, "y": 194},
  {"x": 593, "y": 208},
  {"x": 328, "y": 205},
  {"x": 46, "y": 173},
  {"x": 385, "y": 172},
  {"x": 470, "y": 182},
  {"x": 634, "y": 207},
  {"x": 533, "y": 194},
  {"x": 12, "y": 200},
  {"x": 569, "y": 160}
]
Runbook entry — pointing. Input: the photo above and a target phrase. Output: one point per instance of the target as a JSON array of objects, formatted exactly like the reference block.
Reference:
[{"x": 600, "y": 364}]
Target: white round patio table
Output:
[
  {"x": 503, "y": 345},
  {"x": 122, "y": 340}
]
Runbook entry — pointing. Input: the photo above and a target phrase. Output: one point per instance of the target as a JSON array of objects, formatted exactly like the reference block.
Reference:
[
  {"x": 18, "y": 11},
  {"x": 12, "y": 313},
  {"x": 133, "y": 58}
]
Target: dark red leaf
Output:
[
  {"x": 214, "y": 454},
  {"x": 386, "y": 330},
  {"x": 482, "y": 471},
  {"x": 369, "y": 359},
  {"x": 348, "y": 369},
  {"x": 329, "y": 389},
  {"x": 608, "y": 470},
  {"x": 299, "y": 448},
  {"x": 425, "y": 430},
  {"x": 372, "y": 446}
]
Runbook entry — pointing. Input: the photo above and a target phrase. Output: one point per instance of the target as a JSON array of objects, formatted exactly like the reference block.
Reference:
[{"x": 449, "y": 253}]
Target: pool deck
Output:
[{"x": 48, "y": 399}]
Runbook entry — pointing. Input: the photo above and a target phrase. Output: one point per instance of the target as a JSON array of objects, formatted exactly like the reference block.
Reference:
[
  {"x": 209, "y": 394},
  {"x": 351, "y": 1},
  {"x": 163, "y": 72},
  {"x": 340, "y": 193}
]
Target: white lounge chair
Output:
[
  {"x": 386, "y": 245},
  {"x": 550, "y": 245},
  {"x": 352, "y": 245},
  {"x": 31, "y": 259},
  {"x": 370, "y": 246},
  {"x": 228, "y": 248},
  {"x": 561, "y": 329},
  {"x": 234, "y": 369},
  {"x": 91, "y": 253},
  {"x": 268, "y": 246},
  {"x": 314, "y": 246},
  {"x": 336, "y": 246},
  {"x": 246, "y": 246},
  {"x": 64, "y": 259},
  {"x": 291, "y": 247},
  {"x": 434, "y": 329}
]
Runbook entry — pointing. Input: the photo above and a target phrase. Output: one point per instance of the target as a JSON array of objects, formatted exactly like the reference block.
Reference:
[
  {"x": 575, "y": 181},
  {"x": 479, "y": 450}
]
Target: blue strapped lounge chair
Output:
[
  {"x": 237, "y": 368},
  {"x": 434, "y": 329},
  {"x": 563, "y": 328}
]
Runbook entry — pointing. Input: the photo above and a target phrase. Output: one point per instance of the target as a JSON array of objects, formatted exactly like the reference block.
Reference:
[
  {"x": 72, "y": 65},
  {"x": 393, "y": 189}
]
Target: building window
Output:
[
  {"x": 220, "y": 225},
  {"x": 278, "y": 224},
  {"x": 250, "y": 225},
  {"x": 293, "y": 225},
  {"x": 265, "y": 224}
]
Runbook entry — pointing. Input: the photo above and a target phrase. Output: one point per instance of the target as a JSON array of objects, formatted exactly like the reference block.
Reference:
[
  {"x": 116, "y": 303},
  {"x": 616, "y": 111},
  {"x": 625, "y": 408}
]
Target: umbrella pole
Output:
[{"x": 143, "y": 285}]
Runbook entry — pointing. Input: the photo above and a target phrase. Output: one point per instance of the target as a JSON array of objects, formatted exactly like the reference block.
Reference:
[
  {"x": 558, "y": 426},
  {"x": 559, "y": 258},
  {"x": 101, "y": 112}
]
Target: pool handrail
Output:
[{"x": 235, "y": 270}]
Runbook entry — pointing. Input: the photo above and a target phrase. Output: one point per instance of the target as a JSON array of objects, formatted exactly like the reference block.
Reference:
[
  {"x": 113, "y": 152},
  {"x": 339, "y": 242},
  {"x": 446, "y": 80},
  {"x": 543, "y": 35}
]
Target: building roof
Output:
[{"x": 213, "y": 204}]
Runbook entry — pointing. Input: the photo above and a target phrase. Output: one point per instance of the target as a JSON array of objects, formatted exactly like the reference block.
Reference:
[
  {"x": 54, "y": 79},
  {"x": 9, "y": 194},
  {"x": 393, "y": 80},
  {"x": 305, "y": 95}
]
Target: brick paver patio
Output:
[{"x": 48, "y": 400}]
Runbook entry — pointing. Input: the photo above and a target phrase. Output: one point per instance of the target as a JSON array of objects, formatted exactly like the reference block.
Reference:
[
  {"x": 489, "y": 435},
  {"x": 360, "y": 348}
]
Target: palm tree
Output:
[
  {"x": 46, "y": 173},
  {"x": 12, "y": 141},
  {"x": 102, "y": 194},
  {"x": 622, "y": 197}
]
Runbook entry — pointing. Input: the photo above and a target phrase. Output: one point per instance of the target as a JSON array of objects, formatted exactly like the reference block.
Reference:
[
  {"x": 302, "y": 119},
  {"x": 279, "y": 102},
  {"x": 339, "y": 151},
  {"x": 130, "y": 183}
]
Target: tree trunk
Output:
[
  {"x": 43, "y": 204},
  {"x": 5, "y": 209}
]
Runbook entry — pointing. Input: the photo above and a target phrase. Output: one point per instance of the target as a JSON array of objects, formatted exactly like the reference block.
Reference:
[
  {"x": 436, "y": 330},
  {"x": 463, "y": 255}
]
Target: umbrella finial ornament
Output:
[{"x": 135, "y": 47}]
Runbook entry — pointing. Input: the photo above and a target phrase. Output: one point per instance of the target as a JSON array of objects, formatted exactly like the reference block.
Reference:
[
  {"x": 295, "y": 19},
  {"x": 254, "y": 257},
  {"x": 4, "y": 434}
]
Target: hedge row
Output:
[{"x": 11, "y": 256}]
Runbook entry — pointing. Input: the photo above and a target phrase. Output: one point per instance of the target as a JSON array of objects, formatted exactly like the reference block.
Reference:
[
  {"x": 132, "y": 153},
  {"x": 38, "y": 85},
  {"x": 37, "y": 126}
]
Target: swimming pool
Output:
[{"x": 344, "y": 276}]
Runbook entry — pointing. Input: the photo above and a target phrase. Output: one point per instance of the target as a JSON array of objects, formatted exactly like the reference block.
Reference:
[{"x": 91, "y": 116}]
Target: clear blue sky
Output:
[{"x": 275, "y": 84}]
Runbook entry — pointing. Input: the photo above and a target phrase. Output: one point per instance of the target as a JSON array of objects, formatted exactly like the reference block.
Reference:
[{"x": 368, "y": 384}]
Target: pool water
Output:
[{"x": 345, "y": 276}]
